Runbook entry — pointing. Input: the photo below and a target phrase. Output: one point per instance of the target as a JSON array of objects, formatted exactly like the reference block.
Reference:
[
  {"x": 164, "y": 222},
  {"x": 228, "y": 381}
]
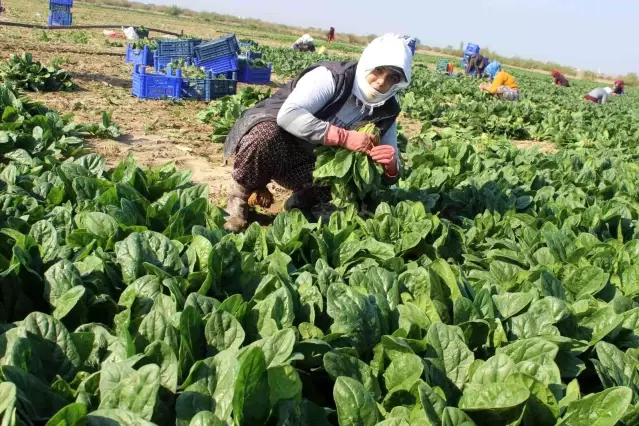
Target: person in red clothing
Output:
[
  {"x": 331, "y": 34},
  {"x": 618, "y": 90},
  {"x": 560, "y": 80}
]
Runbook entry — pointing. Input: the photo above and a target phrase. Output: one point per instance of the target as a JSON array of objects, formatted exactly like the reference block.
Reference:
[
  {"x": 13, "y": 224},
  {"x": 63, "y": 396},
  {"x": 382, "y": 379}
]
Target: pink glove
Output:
[
  {"x": 353, "y": 141},
  {"x": 386, "y": 157}
]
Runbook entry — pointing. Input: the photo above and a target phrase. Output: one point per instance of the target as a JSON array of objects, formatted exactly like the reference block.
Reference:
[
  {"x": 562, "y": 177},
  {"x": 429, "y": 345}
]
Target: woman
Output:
[
  {"x": 599, "y": 95},
  {"x": 274, "y": 141},
  {"x": 331, "y": 35},
  {"x": 618, "y": 90},
  {"x": 476, "y": 66},
  {"x": 304, "y": 44},
  {"x": 560, "y": 80},
  {"x": 503, "y": 84}
]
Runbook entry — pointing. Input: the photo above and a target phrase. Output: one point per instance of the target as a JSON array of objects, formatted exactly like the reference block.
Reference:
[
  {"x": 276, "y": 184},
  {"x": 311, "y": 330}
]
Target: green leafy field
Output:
[{"x": 490, "y": 286}]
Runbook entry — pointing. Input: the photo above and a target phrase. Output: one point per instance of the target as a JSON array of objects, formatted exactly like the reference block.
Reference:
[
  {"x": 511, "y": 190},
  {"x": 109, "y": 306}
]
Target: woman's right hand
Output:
[{"x": 353, "y": 141}]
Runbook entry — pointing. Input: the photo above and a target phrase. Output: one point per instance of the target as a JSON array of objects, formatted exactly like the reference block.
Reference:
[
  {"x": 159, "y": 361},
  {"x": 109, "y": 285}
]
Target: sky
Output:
[{"x": 588, "y": 34}]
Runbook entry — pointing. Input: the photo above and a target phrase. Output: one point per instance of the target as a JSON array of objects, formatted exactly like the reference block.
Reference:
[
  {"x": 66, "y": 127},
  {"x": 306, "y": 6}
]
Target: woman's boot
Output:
[{"x": 237, "y": 208}]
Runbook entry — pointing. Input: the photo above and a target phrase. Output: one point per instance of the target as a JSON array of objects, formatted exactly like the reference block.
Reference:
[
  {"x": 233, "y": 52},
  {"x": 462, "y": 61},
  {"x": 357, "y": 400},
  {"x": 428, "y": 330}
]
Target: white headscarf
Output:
[
  {"x": 389, "y": 50},
  {"x": 305, "y": 39}
]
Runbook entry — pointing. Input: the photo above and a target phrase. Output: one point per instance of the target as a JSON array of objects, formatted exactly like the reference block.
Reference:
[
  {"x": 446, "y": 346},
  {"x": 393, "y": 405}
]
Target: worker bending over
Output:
[{"x": 503, "y": 84}]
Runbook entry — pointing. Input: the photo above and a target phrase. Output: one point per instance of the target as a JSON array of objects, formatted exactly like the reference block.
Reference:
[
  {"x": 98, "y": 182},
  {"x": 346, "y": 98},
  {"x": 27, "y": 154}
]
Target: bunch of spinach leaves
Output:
[{"x": 24, "y": 73}]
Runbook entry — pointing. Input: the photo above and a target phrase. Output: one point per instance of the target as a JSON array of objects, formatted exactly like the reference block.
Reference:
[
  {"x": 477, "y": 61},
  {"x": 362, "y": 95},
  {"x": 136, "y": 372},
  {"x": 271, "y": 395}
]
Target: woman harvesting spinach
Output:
[
  {"x": 559, "y": 79},
  {"x": 503, "y": 85},
  {"x": 274, "y": 141}
]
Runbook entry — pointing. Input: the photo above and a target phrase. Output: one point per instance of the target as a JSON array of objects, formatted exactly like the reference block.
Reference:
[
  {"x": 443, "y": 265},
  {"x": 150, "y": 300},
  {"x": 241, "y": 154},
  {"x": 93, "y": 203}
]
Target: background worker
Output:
[
  {"x": 476, "y": 66},
  {"x": 503, "y": 84},
  {"x": 560, "y": 79},
  {"x": 304, "y": 44},
  {"x": 331, "y": 35},
  {"x": 599, "y": 95}
]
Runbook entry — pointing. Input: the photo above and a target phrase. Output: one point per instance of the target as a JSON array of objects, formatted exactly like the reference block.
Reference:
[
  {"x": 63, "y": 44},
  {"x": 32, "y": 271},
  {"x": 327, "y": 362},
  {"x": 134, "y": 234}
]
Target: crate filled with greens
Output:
[
  {"x": 255, "y": 71},
  {"x": 203, "y": 85},
  {"x": 198, "y": 83},
  {"x": 141, "y": 52},
  {"x": 172, "y": 50},
  {"x": 250, "y": 49},
  {"x": 156, "y": 85}
]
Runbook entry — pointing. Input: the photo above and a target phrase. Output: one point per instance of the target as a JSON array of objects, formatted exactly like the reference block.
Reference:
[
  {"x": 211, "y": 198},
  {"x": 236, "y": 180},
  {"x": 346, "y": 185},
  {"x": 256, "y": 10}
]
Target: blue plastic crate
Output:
[
  {"x": 222, "y": 47},
  {"x": 143, "y": 56},
  {"x": 208, "y": 89},
  {"x": 156, "y": 86},
  {"x": 255, "y": 75},
  {"x": 57, "y": 7},
  {"x": 412, "y": 43},
  {"x": 471, "y": 49},
  {"x": 177, "y": 48},
  {"x": 220, "y": 65},
  {"x": 68, "y": 3},
  {"x": 60, "y": 18},
  {"x": 228, "y": 75},
  {"x": 221, "y": 88},
  {"x": 161, "y": 62}
]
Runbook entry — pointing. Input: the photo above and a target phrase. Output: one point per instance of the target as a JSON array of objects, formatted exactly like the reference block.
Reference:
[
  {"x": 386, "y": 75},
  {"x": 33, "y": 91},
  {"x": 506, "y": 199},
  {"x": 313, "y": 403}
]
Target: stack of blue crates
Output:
[
  {"x": 60, "y": 12},
  {"x": 471, "y": 49},
  {"x": 248, "y": 74},
  {"x": 170, "y": 50},
  {"x": 217, "y": 57}
]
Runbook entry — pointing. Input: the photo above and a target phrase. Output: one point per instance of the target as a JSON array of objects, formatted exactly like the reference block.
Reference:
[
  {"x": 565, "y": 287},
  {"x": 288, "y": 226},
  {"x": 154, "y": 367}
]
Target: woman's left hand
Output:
[{"x": 385, "y": 156}]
